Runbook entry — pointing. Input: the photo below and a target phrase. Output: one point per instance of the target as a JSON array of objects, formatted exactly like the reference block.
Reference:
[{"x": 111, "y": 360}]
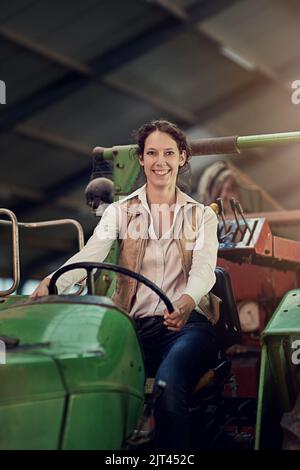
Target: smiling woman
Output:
[
  {"x": 161, "y": 160},
  {"x": 164, "y": 134},
  {"x": 171, "y": 239}
]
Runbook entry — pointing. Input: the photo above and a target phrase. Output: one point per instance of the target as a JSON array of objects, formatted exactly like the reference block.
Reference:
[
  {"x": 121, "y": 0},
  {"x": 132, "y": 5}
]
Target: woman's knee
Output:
[{"x": 173, "y": 399}]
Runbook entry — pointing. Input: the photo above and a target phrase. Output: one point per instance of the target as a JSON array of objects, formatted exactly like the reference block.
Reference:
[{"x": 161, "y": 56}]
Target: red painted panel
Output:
[
  {"x": 288, "y": 250},
  {"x": 252, "y": 282}
]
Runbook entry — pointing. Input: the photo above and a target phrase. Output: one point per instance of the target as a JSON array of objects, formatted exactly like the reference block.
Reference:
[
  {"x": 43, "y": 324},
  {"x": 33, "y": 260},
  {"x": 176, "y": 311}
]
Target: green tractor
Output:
[{"x": 72, "y": 372}]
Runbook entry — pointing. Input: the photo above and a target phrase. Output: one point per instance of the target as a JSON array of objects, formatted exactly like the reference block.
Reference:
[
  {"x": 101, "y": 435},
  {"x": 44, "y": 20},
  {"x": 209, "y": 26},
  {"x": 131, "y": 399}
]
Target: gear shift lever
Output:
[
  {"x": 221, "y": 213},
  {"x": 233, "y": 207},
  {"x": 241, "y": 212}
]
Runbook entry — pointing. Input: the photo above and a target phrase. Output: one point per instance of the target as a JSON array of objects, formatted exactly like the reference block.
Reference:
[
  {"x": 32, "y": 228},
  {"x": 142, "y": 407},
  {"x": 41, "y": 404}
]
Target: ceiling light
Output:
[{"x": 237, "y": 58}]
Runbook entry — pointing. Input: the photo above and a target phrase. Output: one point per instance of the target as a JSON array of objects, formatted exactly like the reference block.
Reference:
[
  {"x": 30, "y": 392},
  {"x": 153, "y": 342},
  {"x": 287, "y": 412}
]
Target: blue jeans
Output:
[{"x": 178, "y": 358}]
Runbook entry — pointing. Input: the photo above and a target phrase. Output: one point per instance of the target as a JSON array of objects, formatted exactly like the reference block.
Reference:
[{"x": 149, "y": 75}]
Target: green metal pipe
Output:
[
  {"x": 264, "y": 140},
  {"x": 234, "y": 144}
]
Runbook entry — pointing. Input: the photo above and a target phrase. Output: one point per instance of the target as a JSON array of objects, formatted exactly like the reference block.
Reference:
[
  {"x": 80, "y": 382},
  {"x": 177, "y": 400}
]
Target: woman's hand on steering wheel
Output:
[
  {"x": 182, "y": 309},
  {"x": 42, "y": 289}
]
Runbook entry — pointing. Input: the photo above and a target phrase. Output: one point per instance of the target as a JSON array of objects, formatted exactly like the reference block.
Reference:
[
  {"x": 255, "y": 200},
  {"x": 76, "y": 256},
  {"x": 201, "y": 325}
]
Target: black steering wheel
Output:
[{"x": 90, "y": 266}]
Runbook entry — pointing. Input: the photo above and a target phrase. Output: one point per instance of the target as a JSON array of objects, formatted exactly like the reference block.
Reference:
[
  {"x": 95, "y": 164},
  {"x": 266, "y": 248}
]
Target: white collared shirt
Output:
[{"x": 162, "y": 262}]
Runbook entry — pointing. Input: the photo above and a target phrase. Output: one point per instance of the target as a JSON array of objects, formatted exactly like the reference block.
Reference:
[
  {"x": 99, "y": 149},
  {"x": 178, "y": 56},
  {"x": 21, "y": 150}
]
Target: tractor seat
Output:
[
  {"x": 228, "y": 333},
  {"x": 228, "y": 327}
]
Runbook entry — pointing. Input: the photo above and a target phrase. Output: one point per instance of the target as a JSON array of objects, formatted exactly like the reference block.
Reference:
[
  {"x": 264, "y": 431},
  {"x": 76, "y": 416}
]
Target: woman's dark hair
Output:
[{"x": 163, "y": 126}]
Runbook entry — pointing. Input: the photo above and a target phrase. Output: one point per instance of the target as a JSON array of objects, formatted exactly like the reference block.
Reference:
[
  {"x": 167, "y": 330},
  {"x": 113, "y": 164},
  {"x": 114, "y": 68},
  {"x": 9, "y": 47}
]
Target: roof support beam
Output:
[
  {"x": 100, "y": 66},
  {"x": 184, "y": 116},
  {"x": 54, "y": 192},
  {"x": 34, "y": 196},
  {"x": 53, "y": 140},
  {"x": 262, "y": 72}
]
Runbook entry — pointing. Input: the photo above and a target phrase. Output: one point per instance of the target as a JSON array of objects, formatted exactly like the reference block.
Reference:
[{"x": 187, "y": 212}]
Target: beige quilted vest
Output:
[{"x": 131, "y": 253}]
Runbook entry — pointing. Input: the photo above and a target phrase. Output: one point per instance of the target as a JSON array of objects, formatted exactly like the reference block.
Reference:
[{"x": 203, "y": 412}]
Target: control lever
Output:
[
  {"x": 221, "y": 213},
  {"x": 233, "y": 207},
  {"x": 214, "y": 206},
  {"x": 241, "y": 212}
]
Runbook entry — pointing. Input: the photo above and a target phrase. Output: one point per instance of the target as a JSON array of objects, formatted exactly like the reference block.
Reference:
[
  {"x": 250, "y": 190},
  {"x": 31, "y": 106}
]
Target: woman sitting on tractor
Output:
[{"x": 171, "y": 239}]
